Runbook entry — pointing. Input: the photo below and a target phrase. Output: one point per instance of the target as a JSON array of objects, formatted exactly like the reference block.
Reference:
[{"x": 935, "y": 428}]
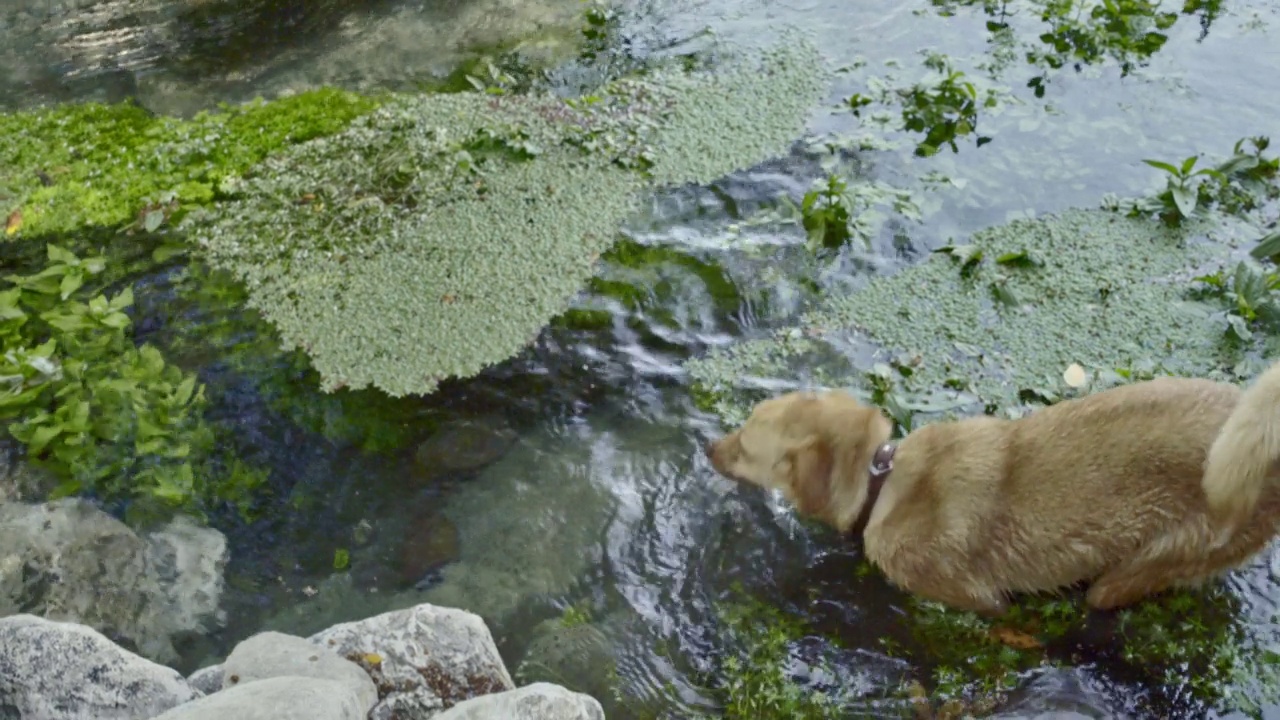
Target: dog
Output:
[{"x": 1165, "y": 483}]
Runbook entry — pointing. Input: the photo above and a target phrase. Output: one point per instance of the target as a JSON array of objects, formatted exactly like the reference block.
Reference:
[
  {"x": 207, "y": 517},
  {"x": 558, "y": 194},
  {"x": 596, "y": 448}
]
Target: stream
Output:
[{"x": 569, "y": 483}]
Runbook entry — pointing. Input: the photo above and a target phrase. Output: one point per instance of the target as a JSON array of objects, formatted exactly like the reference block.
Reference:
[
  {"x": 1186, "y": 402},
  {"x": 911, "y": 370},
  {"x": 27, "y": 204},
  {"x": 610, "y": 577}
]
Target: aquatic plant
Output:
[
  {"x": 1076, "y": 33},
  {"x": 105, "y": 416},
  {"x": 437, "y": 235},
  {"x": 1083, "y": 286},
  {"x": 1243, "y": 183},
  {"x": 92, "y": 165},
  {"x": 754, "y": 680},
  {"x": 944, "y": 106}
]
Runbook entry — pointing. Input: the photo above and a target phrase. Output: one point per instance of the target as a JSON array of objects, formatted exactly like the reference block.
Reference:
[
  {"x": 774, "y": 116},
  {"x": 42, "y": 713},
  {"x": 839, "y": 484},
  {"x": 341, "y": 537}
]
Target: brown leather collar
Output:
[{"x": 881, "y": 466}]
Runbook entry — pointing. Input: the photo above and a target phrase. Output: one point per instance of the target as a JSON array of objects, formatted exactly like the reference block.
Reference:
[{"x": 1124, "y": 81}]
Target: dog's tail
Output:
[{"x": 1245, "y": 453}]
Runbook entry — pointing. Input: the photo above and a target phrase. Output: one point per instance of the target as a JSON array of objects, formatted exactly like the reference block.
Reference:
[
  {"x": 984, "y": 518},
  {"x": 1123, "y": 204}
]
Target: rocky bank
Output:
[{"x": 89, "y": 610}]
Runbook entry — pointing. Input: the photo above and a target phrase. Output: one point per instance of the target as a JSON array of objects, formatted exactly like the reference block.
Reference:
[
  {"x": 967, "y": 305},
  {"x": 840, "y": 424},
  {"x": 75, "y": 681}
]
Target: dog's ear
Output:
[{"x": 810, "y": 467}]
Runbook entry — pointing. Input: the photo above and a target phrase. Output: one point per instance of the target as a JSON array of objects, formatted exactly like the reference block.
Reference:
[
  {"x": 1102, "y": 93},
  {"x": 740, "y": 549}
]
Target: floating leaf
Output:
[
  {"x": 14, "y": 223},
  {"x": 1015, "y": 639},
  {"x": 1267, "y": 247},
  {"x": 1075, "y": 376},
  {"x": 152, "y": 221}
]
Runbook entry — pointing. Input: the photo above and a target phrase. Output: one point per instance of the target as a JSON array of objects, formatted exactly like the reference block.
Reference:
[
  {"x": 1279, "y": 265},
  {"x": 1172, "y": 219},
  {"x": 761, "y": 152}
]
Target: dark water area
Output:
[{"x": 570, "y": 480}]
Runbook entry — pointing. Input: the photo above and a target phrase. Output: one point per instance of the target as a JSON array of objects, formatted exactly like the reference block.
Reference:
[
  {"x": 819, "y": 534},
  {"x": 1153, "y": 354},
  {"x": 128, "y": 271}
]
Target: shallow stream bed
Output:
[{"x": 564, "y": 495}]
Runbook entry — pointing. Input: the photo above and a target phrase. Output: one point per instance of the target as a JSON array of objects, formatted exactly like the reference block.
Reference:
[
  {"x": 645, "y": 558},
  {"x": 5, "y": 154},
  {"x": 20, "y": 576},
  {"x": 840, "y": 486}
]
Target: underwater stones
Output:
[
  {"x": 465, "y": 445},
  {"x": 578, "y": 655},
  {"x": 430, "y": 543},
  {"x": 67, "y": 671},
  {"x": 67, "y": 560},
  {"x": 439, "y": 234}
]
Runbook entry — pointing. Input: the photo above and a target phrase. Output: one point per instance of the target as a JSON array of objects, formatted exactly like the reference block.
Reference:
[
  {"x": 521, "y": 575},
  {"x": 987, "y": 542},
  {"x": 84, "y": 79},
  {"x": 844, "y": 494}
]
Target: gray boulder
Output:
[
  {"x": 423, "y": 659},
  {"x": 273, "y": 654},
  {"x": 68, "y": 560},
  {"x": 539, "y": 701},
  {"x": 207, "y": 680},
  {"x": 277, "y": 698},
  {"x": 54, "y": 670}
]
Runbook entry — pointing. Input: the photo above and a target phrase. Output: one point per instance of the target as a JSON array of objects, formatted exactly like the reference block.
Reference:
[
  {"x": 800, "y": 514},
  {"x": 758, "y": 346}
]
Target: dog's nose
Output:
[{"x": 709, "y": 448}]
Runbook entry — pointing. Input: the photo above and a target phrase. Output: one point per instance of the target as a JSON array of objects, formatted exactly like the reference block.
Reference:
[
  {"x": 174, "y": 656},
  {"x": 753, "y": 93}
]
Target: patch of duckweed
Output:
[
  {"x": 994, "y": 321},
  {"x": 77, "y": 166},
  {"x": 438, "y": 234}
]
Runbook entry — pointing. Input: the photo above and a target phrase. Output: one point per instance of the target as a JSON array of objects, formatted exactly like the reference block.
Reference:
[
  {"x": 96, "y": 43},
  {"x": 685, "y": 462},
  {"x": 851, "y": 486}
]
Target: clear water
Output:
[{"x": 603, "y": 501}]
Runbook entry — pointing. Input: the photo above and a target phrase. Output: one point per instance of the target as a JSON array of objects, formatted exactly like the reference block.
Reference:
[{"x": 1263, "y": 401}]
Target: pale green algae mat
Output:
[
  {"x": 439, "y": 234},
  {"x": 997, "y": 318}
]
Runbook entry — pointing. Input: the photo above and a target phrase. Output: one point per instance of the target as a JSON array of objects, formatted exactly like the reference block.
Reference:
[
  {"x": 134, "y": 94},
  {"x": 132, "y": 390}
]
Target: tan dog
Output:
[{"x": 1140, "y": 488}]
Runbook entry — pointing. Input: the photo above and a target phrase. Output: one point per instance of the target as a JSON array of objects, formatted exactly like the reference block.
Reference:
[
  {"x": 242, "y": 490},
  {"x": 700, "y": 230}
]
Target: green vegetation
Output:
[
  {"x": 105, "y": 416},
  {"x": 1239, "y": 185},
  {"x": 754, "y": 682},
  {"x": 92, "y": 165},
  {"x": 439, "y": 234},
  {"x": 944, "y": 106},
  {"x": 1085, "y": 32}
]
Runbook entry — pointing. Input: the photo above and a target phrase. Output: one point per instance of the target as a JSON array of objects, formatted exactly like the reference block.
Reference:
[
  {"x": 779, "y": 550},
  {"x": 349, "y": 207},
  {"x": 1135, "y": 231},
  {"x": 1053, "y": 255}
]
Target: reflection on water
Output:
[
  {"x": 179, "y": 56},
  {"x": 603, "y": 515}
]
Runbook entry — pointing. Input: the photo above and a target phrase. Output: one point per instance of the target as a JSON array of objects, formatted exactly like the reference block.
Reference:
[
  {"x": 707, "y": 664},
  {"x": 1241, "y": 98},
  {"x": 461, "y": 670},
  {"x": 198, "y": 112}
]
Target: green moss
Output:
[
  {"x": 439, "y": 234},
  {"x": 86, "y": 165},
  {"x": 584, "y": 319}
]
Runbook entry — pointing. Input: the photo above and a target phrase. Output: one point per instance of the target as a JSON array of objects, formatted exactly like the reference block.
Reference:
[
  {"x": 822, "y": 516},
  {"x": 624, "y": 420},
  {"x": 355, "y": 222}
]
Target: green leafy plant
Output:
[
  {"x": 105, "y": 416},
  {"x": 825, "y": 213},
  {"x": 1183, "y": 193},
  {"x": 1250, "y": 295},
  {"x": 1243, "y": 183}
]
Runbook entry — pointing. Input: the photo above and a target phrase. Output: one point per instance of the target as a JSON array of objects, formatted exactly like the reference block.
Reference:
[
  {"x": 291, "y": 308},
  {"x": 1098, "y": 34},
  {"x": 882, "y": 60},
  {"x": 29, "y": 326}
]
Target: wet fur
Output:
[{"x": 1160, "y": 484}]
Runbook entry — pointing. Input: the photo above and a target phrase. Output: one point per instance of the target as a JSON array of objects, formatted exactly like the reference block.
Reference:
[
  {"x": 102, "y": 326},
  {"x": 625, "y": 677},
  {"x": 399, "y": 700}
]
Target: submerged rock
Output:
[
  {"x": 67, "y": 560},
  {"x": 429, "y": 544},
  {"x": 53, "y": 670},
  {"x": 466, "y": 445},
  {"x": 273, "y": 654},
  {"x": 539, "y": 701},
  {"x": 576, "y": 655},
  {"x": 423, "y": 659},
  {"x": 277, "y": 698}
]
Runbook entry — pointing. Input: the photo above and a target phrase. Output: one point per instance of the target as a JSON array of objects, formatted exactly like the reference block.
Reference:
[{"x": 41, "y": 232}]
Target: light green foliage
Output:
[
  {"x": 107, "y": 417},
  {"x": 439, "y": 234},
  {"x": 944, "y": 106},
  {"x": 1251, "y": 296},
  {"x": 754, "y": 681},
  {"x": 1084, "y": 32},
  {"x": 1242, "y": 184},
  {"x": 73, "y": 166},
  {"x": 996, "y": 320}
]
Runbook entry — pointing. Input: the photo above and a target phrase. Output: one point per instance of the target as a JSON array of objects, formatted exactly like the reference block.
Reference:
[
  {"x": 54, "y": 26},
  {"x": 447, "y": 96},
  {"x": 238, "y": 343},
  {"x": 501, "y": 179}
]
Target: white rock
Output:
[
  {"x": 429, "y": 658},
  {"x": 273, "y": 654},
  {"x": 539, "y": 701},
  {"x": 277, "y": 698},
  {"x": 68, "y": 560},
  {"x": 54, "y": 670}
]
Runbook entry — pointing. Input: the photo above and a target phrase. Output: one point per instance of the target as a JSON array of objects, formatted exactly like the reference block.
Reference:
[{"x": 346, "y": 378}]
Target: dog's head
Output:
[{"x": 813, "y": 447}]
